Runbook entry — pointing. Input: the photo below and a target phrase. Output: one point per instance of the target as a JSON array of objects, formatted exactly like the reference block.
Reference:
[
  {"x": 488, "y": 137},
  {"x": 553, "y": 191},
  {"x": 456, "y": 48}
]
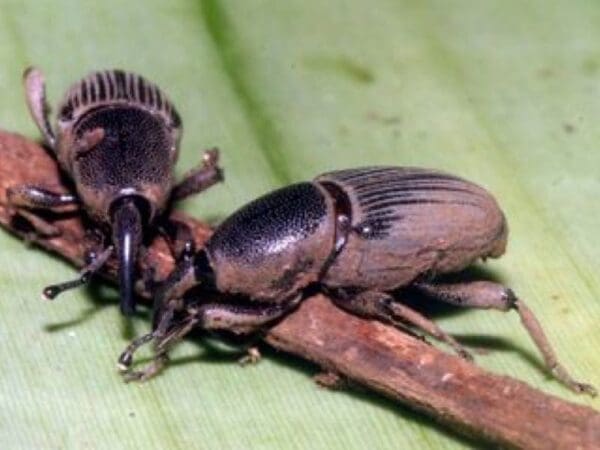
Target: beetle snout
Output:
[{"x": 129, "y": 217}]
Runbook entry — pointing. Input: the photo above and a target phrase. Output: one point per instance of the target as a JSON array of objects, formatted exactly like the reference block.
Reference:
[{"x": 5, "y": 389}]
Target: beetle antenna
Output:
[{"x": 127, "y": 237}]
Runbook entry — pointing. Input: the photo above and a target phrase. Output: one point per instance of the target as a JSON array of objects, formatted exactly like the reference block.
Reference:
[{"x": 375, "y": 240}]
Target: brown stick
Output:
[{"x": 453, "y": 391}]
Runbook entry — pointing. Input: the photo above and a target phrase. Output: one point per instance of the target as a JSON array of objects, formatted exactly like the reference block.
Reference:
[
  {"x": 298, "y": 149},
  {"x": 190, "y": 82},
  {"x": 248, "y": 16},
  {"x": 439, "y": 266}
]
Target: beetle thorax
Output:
[
  {"x": 118, "y": 134},
  {"x": 276, "y": 245},
  {"x": 119, "y": 150}
]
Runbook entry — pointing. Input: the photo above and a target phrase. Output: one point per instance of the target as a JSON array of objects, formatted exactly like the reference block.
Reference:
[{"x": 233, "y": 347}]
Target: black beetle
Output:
[
  {"x": 117, "y": 137},
  {"x": 359, "y": 234}
]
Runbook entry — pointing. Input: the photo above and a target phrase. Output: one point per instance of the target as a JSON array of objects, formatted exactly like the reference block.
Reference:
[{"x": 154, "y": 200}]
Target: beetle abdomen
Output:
[
  {"x": 274, "y": 245},
  {"x": 112, "y": 87},
  {"x": 408, "y": 221}
]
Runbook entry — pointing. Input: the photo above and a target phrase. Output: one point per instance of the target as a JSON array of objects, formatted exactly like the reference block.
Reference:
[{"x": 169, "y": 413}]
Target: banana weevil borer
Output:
[
  {"x": 117, "y": 137},
  {"x": 359, "y": 235}
]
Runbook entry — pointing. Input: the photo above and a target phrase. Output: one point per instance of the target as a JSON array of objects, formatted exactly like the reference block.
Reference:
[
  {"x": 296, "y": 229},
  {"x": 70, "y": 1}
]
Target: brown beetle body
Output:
[
  {"x": 372, "y": 228},
  {"x": 359, "y": 234},
  {"x": 117, "y": 137}
]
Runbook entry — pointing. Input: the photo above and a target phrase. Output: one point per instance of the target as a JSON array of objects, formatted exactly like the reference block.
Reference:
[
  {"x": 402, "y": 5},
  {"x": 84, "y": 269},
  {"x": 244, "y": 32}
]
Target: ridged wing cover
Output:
[
  {"x": 410, "y": 221},
  {"x": 275, "y": 245},
  {"x": 113, "y": 87}
]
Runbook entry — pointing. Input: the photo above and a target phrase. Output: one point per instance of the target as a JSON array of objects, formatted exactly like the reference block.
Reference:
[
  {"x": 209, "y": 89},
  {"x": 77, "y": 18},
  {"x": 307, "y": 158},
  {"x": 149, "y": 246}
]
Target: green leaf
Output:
[{"x": 504, "y": 93}]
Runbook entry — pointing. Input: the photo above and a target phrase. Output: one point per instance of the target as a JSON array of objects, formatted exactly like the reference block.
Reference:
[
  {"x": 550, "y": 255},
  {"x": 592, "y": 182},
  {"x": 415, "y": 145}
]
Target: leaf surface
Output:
[{"x": 503, "y": 93}]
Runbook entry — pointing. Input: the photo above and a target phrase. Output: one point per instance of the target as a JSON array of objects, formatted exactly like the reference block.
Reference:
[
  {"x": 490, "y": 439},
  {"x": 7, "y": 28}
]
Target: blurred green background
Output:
[{"x": 505, "y": 93}]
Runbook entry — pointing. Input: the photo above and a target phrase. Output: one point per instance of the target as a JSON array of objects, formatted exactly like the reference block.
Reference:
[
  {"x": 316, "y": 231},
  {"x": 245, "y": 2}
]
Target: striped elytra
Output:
[
  {"x": 405, "y": 222},
  {"x": 114, "y": 87},
  {"x": 378, "y": 194}
]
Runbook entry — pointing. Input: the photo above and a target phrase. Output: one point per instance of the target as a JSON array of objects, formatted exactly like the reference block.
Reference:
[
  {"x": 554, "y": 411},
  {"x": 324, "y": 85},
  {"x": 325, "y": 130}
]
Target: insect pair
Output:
[{"x": 359, "y": 234}]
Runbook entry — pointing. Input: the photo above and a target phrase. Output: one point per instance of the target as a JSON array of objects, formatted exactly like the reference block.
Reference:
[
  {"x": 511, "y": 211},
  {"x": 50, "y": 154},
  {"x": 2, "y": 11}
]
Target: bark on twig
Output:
[{"x": 449, "y": 389}]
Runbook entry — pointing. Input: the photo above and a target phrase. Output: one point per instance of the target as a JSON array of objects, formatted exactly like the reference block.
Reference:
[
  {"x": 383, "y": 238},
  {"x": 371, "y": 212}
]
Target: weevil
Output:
[
  {"x": 117, "y": 138},
  {"x": 358, "y": 234}
]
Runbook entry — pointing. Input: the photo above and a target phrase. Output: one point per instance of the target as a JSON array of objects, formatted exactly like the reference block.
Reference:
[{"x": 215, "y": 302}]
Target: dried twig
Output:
[{"x": 453, "y": 391}]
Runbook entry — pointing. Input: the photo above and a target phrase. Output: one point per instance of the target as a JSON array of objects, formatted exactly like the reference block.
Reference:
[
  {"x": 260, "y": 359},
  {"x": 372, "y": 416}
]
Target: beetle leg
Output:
[
  {"x": 329, "y": 380},
  {"x": 382, "y": 306},
  {"x": 35, "y": 93},
  {"x": 151, "y": 370},
  {"x": 252, "y": 356},
  {"x": 242, "y": 319},
  {"x": 126, "y": 357},
  {"x": 236, "y": 318},
  {"x": 24, "y": 197},
  {"x": 41, "y": 227},
  {"x": 163, "y": 341},
  {"x": 30, "y": 196},
  {"x": 179, "y": 238},
  {"x": 163, "y": 338},
  {"x": 201, "y": 178},
  {"x": 96, "y": 261},
  {"x": 490, "y": 295}
]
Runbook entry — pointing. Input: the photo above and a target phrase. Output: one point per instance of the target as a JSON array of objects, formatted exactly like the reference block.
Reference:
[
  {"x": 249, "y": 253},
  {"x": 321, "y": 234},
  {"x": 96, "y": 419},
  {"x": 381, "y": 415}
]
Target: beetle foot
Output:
[
  {"x": 466, "y": 355},
  {"x": 132, "y": 376},
  {"x": 584, "y": 388},
  {"x": 329, "y": 380},
  {"x": 126, "y": 358},
  {"x": 210, "y": 157},
  {"x": 562, "y": 375},
  {"x": 252, "y": 356},
  {"x": 125, "y": 361},
  {"x": 150, "y": 371}
]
